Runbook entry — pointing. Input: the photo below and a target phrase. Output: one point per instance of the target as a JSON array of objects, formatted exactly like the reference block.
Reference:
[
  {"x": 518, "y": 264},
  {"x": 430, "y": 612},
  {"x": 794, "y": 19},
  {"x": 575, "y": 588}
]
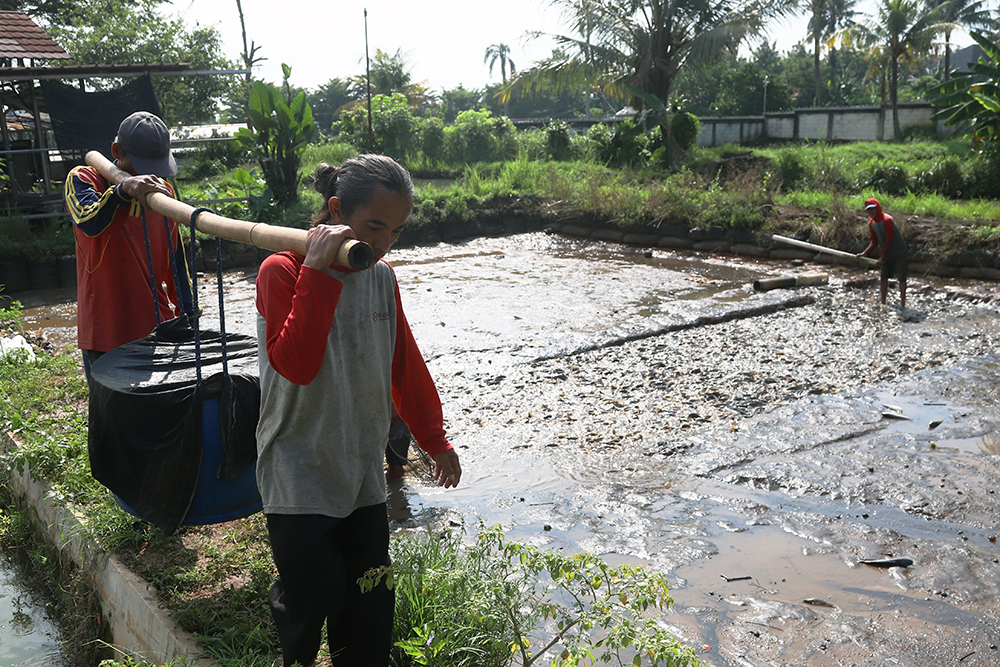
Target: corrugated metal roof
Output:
[{"x": 20, "y": 37}]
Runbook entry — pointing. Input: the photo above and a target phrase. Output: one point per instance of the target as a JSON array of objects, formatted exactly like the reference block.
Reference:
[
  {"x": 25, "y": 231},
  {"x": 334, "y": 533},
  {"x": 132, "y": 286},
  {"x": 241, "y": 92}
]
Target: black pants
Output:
[
  {"x": 397, "y": 450},
  {"x": 319, "y": 561}
]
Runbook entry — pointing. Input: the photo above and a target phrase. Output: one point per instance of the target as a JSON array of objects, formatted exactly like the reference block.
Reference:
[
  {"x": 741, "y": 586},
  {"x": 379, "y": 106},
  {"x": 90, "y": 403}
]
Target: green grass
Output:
[
  {"x": 727, "y": 186},
  {"x": 924, "y": 205}
]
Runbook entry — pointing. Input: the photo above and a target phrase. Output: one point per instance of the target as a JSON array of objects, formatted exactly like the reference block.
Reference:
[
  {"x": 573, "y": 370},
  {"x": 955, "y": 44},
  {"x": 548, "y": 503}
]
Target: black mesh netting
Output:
[
  {"x": 85, "y": 121},
  {"x": 145, "y": 438}
]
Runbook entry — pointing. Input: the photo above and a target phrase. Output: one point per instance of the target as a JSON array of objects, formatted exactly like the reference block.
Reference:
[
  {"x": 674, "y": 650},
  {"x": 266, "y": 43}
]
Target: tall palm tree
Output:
[
  {"x": 617, "y": 45},
  {"x": 389, "y": 73},
  {"x": 839, "y": 15},
  {"x": 816, "y": 27},
  {"x": 902, "y": 32},
  {"x": 967, "y": 13},
  {"x": 828, "y": 16},
  {"x": 501, "y": 52}
]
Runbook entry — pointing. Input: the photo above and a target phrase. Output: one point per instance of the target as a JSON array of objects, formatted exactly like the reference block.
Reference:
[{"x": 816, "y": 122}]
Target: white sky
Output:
[{"x": 442, "y": 41}]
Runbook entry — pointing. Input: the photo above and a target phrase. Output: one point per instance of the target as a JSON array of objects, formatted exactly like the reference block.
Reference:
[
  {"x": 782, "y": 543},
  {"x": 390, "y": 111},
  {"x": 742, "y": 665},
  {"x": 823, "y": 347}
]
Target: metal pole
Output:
[
  {"x": 368, "y": 78},
  {"x": 40, "y": 139}
]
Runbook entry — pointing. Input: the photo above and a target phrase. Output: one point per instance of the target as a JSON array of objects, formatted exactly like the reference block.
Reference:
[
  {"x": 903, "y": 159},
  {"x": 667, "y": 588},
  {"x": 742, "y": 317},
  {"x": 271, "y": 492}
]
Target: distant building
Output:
[{"x": 963, "y": 59}]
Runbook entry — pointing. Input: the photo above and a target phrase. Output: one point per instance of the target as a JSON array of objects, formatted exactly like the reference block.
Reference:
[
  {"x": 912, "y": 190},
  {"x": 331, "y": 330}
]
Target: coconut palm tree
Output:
[
  {"x": 816, "y": 27},
  {"x": 901, "y": 32},
  {"x": 828, "y": 16},
  {"x": 618, "y": 45},
  {"x": 967, "y": 13},
  {"x": 501, "y": 52}
]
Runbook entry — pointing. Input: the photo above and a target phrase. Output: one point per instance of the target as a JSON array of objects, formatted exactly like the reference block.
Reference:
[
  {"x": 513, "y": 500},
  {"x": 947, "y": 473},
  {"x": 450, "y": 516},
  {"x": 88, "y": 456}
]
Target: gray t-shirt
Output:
[{"x": 321, "y": 446}]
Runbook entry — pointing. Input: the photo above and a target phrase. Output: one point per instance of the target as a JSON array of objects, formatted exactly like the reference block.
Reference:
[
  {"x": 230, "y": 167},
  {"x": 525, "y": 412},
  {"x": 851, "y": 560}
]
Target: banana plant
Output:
[
  {"x": 279, "y": 129},
  {"x": 971, "y": 102}
]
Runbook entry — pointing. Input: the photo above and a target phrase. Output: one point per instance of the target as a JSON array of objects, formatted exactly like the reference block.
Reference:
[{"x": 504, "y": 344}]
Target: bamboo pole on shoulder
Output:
[{"x": 352, "y": 254}]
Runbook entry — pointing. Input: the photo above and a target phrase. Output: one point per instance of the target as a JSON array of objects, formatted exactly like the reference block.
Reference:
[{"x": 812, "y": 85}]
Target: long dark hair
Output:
[{"x": 356, "y": 181}]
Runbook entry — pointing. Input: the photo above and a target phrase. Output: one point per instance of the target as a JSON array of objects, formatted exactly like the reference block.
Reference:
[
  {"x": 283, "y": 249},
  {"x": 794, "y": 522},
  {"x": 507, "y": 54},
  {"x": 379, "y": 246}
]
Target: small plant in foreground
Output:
[
  {"x": 10, "y": 315},
  {"x": 495, "y": 602}
]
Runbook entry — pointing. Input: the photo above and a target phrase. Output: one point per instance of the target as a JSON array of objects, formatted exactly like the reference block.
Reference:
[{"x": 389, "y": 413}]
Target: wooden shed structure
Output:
[{"x": 35, "y": 153}]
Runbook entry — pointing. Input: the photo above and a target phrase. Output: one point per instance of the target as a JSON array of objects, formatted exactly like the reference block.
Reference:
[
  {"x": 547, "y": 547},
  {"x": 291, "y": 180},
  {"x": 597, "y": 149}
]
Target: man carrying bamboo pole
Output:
[
  {"x": 883, "y": 233},
  {"x": 124, "y": 266}
]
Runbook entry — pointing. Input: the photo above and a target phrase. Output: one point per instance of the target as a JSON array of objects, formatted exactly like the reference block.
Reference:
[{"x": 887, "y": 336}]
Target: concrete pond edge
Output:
[{"x": 139, "y": 627}]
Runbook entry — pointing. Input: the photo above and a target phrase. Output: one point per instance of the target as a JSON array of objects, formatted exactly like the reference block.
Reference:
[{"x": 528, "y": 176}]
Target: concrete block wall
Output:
[{"x": 820, "y": 124}]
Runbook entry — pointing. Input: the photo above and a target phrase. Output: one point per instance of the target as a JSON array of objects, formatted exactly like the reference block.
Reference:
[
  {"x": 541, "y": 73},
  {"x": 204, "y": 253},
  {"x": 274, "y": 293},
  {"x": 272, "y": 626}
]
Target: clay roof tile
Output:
[{"x": 23, "y": 38}]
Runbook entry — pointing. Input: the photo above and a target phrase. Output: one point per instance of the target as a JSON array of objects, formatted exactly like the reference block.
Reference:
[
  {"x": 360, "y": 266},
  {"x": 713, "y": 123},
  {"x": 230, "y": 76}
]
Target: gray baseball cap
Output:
[{"x": 146, "y": 141}]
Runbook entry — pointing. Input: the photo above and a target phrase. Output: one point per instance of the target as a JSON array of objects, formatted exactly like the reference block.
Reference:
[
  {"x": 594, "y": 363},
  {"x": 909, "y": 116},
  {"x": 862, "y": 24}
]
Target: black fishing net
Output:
[{"x": 88, "y": 121}]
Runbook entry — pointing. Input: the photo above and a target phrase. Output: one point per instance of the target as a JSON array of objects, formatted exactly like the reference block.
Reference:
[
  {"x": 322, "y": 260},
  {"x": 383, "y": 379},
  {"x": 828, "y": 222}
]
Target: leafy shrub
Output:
[
  {"x": 497, "y": 601},
  {"x": 432, "y": 138},
  {"x": 982, "y": 174},
  {"x": 684, "y": 127},
  {"x": 506, "y": 134},
  {"x": 887, "y": 178},
  {"x": 558, "y": 142},
  {"x": 392, "y": 125},
  {"x": 214, "y": 157},
  {"x": 10, "y": 314},
  {"x": 789, "y": 169},
  {"x": 533, "y": 143},
  {"x": 598, "y": 140},
  {"x": 626, "y": 145},
  {"x": 944, "y": 178},
  {"x": 478, "y": 136}
]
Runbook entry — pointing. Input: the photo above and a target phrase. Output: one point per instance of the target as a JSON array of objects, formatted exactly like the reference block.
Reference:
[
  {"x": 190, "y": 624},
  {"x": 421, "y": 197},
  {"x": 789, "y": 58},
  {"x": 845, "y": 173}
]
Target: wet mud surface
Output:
[{"x": 753, "y": 446}]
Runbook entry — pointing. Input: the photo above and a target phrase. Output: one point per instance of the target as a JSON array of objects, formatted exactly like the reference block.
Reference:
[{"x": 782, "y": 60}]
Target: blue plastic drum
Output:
[{"x": 216, "y": 500}]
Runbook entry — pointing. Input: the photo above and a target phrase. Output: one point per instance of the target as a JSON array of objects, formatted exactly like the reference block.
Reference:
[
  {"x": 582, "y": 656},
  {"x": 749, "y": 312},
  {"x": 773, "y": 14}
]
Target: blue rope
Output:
[
  {"x": 222, "y": 310},
  {"x": 149, "y": 262},
  {"x": 173, "y": 262},
  {"x": 194, "y": 296}
]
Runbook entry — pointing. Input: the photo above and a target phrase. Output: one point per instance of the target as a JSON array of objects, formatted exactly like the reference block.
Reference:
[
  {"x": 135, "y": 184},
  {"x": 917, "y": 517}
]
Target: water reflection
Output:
[{"x": 28, "y": 636}]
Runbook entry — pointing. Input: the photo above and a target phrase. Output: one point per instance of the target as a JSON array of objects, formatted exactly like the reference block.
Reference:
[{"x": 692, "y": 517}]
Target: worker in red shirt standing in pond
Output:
[{"x": 893, "y": 260}]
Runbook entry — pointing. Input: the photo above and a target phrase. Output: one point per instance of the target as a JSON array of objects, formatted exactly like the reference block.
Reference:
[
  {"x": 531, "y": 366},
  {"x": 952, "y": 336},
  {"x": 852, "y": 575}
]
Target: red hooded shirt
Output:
[{"x": 882, "y": 232}]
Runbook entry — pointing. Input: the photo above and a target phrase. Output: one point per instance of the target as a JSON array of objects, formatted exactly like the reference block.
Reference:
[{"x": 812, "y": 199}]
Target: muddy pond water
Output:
[
  {"x": 28, "y": 635},
  {"x": 755, "y": 447}
]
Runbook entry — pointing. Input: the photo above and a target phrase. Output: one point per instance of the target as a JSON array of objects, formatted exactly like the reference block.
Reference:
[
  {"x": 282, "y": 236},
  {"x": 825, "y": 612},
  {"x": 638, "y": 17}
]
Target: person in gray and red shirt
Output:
[
  {"x": 893, "y": 260},
  {"x": 336, "y": 354}
]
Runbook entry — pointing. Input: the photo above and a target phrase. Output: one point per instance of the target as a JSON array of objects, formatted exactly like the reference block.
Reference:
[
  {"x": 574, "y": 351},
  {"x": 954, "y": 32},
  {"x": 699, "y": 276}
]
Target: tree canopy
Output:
[
  {"x": 901, "y": 32},
  {"x": 105, "y": 32},
  {"x": 617, "y": 44}
]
